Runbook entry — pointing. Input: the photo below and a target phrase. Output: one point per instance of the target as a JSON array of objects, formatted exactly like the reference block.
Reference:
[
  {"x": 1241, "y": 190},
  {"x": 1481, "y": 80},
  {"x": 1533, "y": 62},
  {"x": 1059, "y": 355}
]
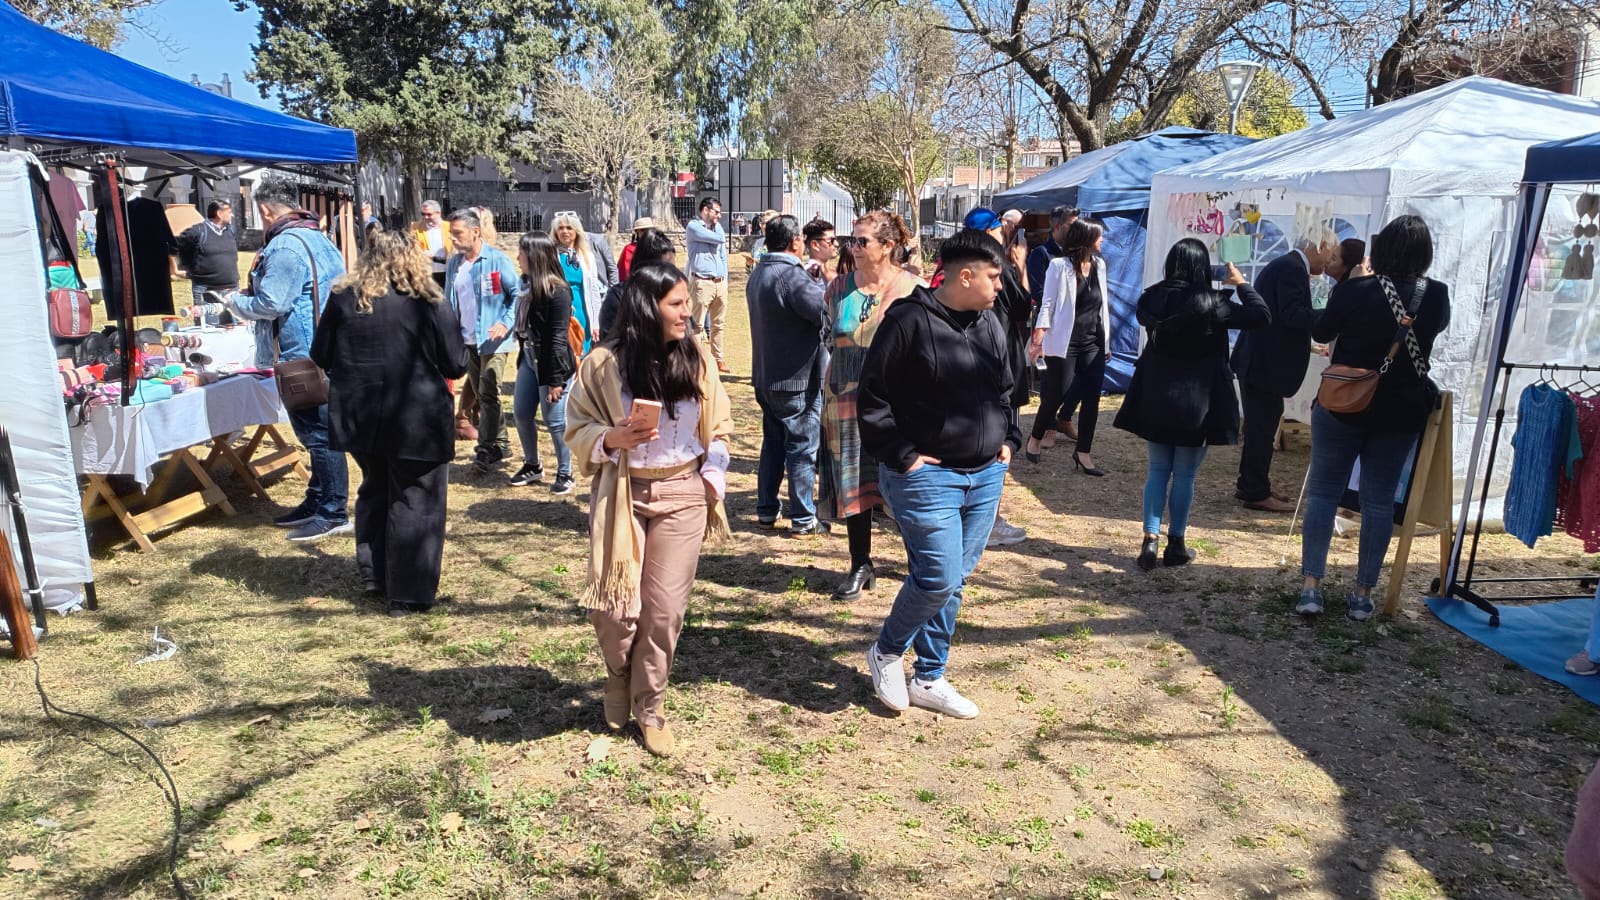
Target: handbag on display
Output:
[
  {"x": 71, "y": 309},
  {"x": 301, "y": 382},
  {"x": 1350, "y": 389}
]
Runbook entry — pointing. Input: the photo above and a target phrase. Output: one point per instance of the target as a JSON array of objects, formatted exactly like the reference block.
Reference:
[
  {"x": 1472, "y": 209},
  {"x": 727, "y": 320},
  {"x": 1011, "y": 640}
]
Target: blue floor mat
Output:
[{"x": 1539, "y": 638}]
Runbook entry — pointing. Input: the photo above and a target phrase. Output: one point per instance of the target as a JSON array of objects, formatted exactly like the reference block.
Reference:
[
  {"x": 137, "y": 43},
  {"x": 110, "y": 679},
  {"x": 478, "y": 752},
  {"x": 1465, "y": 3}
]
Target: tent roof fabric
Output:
[
  {"x": 57, "y": 89},
  {"x": 1467, "y": 137},
  {"x": 1574, "y": 159},
  {"x": 1116, "y": 177}
]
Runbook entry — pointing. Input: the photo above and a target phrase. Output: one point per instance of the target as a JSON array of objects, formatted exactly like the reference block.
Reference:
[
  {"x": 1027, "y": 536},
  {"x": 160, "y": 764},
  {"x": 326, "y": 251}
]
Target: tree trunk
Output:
[
  {"x": 411, "y": 187},
  {"x": 614, "y": 200},
  {"x": 658, "y": 203},
  {"x": 908, "y": 178}
]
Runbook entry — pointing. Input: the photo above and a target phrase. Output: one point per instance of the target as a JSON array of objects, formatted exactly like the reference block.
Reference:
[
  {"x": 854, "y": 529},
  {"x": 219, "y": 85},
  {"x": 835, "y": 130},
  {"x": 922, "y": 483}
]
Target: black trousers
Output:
[
  {"x": 1085, "y": 378},
  {"x": 400, "y": 513},
  {"x": 1263, "y": 411}
]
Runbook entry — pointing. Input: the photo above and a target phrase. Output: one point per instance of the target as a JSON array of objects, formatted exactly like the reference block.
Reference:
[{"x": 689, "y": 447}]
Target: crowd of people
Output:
[{"x": 885, "y": 399}]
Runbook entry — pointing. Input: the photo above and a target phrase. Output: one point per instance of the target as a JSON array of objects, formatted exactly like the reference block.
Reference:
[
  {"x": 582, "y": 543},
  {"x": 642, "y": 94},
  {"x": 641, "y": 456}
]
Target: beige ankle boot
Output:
[
  {"x": 616, "y": 702},
  {"x": 659, "y": 740}
]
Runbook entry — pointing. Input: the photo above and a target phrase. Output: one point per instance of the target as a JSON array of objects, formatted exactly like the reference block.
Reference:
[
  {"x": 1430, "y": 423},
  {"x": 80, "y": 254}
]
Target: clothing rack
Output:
[{"x": 1463, "y": 585}]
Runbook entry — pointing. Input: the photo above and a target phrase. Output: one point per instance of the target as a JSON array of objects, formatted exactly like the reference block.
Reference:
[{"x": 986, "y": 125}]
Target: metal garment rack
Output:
[{"x": 1462, "y": 587}]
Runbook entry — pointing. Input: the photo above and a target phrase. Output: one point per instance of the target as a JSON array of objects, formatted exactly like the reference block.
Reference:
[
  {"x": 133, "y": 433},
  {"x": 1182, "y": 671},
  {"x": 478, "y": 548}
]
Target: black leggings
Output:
[{"x": 859, "y": 530}]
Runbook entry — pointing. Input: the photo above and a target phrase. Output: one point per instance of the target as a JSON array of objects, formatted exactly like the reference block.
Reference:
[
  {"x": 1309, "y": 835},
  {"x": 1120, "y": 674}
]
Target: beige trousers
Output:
[
  {"x": 672, "y": 513},
  {"x": 710, "y": 296}
]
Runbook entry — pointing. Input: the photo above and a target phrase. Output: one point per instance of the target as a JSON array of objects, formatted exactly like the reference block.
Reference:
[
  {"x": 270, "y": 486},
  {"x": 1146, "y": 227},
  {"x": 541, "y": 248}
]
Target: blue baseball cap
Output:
[{"x": 981, "y": 218}]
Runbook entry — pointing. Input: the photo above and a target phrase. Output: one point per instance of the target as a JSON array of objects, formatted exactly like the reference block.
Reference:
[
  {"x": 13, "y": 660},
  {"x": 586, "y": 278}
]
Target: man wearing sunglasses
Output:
[
  {"x": 708, "y": 273},
  {"x": 822, "y": 250}
]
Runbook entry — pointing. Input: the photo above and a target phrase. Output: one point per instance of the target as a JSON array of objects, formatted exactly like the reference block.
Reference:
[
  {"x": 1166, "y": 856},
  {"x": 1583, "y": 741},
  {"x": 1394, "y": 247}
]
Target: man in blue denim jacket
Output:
[
  {"x": 482, "y": 285},
  {"x": 280, "y": 301}
]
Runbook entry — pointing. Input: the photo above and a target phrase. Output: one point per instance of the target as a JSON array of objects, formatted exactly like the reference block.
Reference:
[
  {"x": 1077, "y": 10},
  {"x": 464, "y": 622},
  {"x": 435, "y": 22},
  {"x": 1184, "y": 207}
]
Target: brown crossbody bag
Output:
[
  {"x": 1348, "y": 389},
  {"x": 301, "y": 383}
]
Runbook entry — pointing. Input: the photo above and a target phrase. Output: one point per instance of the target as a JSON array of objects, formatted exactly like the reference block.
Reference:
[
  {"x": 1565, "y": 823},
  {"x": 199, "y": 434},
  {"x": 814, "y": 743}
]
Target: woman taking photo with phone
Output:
[
  {"x": 847, "y": 480},
  {"x": 1181, "y": 399},
  {"x": 545, "y": 362},
  {"x": 648, "y": 421},
  {"x": 1072, "y": 336},
  {"x": 1385, "y": 323}
]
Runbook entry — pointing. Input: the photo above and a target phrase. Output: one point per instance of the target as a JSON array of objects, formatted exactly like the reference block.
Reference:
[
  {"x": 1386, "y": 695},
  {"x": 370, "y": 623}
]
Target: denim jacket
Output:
[
  {"x": 495, "y": 307},
  {"x": 280, "y": 292}
]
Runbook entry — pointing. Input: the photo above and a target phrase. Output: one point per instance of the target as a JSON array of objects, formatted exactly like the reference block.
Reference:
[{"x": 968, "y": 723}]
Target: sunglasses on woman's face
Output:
[{"x": 851, "y": 242}]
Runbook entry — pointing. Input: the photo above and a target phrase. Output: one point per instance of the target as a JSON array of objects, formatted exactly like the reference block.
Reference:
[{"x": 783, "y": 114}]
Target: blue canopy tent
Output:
[
  {"x": 1113, "y": 185},
  {"x": 68, "y": 101},
  {"x": 1551, "y": 265}
]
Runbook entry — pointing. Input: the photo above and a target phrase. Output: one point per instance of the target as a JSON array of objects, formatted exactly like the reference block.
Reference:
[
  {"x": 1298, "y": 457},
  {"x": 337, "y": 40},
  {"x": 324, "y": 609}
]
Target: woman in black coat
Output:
[
  {"x": 390, "y": 348},
  {"x": 1181, "y": 399}
]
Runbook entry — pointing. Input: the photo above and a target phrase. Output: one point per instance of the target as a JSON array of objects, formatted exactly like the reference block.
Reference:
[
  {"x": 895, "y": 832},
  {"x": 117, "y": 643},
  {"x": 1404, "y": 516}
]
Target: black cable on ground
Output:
[{"x": 170, "y": 791}]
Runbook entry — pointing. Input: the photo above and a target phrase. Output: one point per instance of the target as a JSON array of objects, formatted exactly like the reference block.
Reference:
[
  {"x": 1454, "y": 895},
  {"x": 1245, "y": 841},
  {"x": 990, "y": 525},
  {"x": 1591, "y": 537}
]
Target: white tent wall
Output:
[
  {"x": 31, "y": 405},
  {"x": 1452, "y": 156}
]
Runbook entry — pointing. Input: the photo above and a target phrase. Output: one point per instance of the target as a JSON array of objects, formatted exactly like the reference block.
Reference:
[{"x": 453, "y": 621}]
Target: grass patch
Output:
[
  {"x": 1149, "y": 835},
  {"x": 1432, "y": 714}
]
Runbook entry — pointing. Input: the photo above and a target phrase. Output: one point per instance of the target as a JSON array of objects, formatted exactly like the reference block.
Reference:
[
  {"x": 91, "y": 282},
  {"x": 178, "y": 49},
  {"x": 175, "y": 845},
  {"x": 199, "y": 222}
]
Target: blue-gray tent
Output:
[
  {"x": 1113, "y": 185},
  {"x": 59, "y": 92}
]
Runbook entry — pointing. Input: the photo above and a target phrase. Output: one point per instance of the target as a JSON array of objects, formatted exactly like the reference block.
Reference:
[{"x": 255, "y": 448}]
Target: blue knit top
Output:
[{"x": 1546, "y": 443}]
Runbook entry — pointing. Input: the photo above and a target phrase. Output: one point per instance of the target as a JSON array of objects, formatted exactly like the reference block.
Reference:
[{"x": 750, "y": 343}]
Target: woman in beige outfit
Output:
[{"x": 647, "y": 420}]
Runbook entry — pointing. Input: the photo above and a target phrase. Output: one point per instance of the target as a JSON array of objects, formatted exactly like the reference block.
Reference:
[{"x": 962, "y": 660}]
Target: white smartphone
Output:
[{"x": 647, "y": 412}]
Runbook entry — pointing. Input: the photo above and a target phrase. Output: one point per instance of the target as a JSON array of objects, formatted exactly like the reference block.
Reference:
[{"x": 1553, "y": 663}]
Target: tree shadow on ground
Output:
[{"x": 467, "y": 698}]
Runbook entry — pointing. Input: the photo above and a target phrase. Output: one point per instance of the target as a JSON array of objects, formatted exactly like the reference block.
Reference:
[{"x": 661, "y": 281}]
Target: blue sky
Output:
[{"x": 201, "y": 37}]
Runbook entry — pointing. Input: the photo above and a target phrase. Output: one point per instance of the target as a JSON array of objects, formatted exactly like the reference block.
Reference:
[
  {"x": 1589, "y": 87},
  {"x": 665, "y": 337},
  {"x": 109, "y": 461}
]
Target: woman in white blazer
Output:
[{"x": 1073, "y": 336}]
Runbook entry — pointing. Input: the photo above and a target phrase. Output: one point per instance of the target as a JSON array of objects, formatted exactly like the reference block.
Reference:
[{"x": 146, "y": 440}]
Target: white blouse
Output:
[{"x": 678, "y": 442}]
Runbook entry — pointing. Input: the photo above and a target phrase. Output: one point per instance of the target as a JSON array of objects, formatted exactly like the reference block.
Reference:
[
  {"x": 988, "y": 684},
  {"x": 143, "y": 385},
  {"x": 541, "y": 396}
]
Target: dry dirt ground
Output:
[{"x": 1173, "y": 734}]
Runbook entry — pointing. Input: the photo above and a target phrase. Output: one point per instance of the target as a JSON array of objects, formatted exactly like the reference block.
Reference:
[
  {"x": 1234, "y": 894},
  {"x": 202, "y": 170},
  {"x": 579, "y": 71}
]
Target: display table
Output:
[{"x": 130, "y": 440}]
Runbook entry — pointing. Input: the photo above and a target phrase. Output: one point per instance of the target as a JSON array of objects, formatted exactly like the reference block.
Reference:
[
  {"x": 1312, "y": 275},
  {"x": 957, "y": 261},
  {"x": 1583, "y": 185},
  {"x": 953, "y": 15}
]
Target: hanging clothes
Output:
[
  {"x": 150, "y": 246},
  {"x": 1578, "y": 491},
  {"x": 1546, "y": 441}
]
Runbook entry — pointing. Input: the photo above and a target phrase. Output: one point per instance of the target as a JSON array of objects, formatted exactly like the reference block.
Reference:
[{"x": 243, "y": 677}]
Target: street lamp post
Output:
[{"x": 1237, "y": 76}]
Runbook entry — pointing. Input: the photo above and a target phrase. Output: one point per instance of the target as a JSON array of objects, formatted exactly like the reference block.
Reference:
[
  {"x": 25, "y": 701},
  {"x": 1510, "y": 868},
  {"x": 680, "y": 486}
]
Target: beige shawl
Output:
[{"x": 616, "y": 543}]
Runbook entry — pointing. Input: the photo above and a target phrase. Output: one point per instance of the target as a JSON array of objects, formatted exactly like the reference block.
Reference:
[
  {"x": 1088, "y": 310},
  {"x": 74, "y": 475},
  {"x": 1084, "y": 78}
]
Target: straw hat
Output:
[{"x": 643, "y": 222}]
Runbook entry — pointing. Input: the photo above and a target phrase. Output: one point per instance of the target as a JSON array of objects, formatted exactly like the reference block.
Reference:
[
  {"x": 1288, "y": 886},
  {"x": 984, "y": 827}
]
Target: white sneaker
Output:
[
  {"x": 888, "y": 679},
  {"x": 1005, "y": 534},
  {"x": 941, "y": 696}
]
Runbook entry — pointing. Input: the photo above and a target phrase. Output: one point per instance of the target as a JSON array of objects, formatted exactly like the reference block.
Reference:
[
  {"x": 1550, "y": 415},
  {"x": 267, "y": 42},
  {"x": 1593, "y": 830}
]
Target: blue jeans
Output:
[
  {"x": 791, "y": 427},
  {"x": 329, "y": 489},
  {"x": 945, "y": 519},
  {"x": 529, "y": 400},
  {"x": 1179, "y": 465},
  {"x": 1335, "y": 447}
]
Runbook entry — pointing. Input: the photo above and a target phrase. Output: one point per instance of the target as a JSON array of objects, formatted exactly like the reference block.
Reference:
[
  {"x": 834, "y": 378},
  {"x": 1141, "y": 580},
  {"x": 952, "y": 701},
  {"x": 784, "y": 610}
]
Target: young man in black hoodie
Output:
[{"x": 935, "y": 408}]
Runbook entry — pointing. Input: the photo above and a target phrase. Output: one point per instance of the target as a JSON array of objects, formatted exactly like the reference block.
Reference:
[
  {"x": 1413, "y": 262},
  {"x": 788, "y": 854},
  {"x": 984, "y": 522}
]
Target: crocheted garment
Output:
[
  {"x": 1546, "y": 444},
  {"x": 1578, "y": 494}
]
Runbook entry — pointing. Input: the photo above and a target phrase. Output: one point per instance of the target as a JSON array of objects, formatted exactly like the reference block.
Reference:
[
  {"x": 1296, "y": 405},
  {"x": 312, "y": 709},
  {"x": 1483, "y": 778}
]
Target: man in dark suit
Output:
[
  {"x": 1271, "y": 363},
  {"x": 786, "y": 313}
]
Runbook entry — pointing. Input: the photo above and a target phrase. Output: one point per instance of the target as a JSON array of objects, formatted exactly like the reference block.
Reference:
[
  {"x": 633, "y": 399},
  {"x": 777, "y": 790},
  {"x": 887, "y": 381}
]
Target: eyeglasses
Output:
[{"x": 850, "y": 241}]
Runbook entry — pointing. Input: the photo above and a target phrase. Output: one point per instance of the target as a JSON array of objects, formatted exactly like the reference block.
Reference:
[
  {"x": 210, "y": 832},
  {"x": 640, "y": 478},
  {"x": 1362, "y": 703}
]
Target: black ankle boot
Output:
[
  {"x": 1147, "y": 552},
  {"x": 861, "y": 578},
  {"x": 1177, "y": 554}
]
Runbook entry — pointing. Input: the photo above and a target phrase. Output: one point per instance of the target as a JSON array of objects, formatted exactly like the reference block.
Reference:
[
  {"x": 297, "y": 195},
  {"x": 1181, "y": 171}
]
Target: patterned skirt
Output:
[{"x": 847, "y": 480}]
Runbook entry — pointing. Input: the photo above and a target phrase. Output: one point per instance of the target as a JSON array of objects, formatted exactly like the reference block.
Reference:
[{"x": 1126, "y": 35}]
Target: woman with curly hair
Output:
[{"x": 390, "y": 346}]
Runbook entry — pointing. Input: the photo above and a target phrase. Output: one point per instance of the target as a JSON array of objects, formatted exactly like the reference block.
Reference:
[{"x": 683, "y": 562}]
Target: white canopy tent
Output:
[
  {"x": 1453, "y": 155},
  {"x": 31, "y": 405}
]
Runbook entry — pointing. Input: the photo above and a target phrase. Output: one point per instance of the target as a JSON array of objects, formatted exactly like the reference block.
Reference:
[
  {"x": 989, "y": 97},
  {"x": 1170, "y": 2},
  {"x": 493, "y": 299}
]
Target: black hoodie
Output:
[{"x": 937, "y": 382}]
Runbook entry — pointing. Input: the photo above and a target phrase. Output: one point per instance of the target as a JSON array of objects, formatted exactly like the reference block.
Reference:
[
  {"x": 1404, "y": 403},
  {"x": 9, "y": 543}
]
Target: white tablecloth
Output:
[{"x": 128, "y": 440}]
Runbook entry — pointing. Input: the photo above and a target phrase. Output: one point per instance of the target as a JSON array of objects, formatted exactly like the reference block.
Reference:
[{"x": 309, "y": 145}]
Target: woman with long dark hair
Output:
[
  {"x": 847, "y": 479},
  {"x": 545, "y": 363},
  {"x": 390, "y": 346},
  {"x": 648, "y": 421},
  {"x": 1073, "y": 335},
  {"x": 1181, "y": 399},
  {"x": 1366, "y": 321}
]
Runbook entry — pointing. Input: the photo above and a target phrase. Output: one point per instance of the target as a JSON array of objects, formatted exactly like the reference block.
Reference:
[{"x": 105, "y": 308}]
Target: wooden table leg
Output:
[
  {"x": 100, "y": 488},
  {"x": 221, "y": 446},
  {"x": 208, "y": 488}
]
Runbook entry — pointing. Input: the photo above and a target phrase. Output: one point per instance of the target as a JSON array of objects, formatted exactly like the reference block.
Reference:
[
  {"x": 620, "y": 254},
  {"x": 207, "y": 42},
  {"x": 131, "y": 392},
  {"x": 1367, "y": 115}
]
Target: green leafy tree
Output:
[
  {"x": 422, "y": 83},
  {"x": 872, "y": 184},
  {"x": 99, "y": 22},
  {"x": 1269, "y": 109}
]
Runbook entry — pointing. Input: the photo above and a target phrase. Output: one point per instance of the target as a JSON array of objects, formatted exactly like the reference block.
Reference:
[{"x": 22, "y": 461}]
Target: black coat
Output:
[
  {"x": 1361, "y": 325},
  {"x": 1182, "y": 392},
  {"x": 387, "y": 372},
  {"x": 542, "y": 323},
  {"x": 1275, "y": 358}
]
